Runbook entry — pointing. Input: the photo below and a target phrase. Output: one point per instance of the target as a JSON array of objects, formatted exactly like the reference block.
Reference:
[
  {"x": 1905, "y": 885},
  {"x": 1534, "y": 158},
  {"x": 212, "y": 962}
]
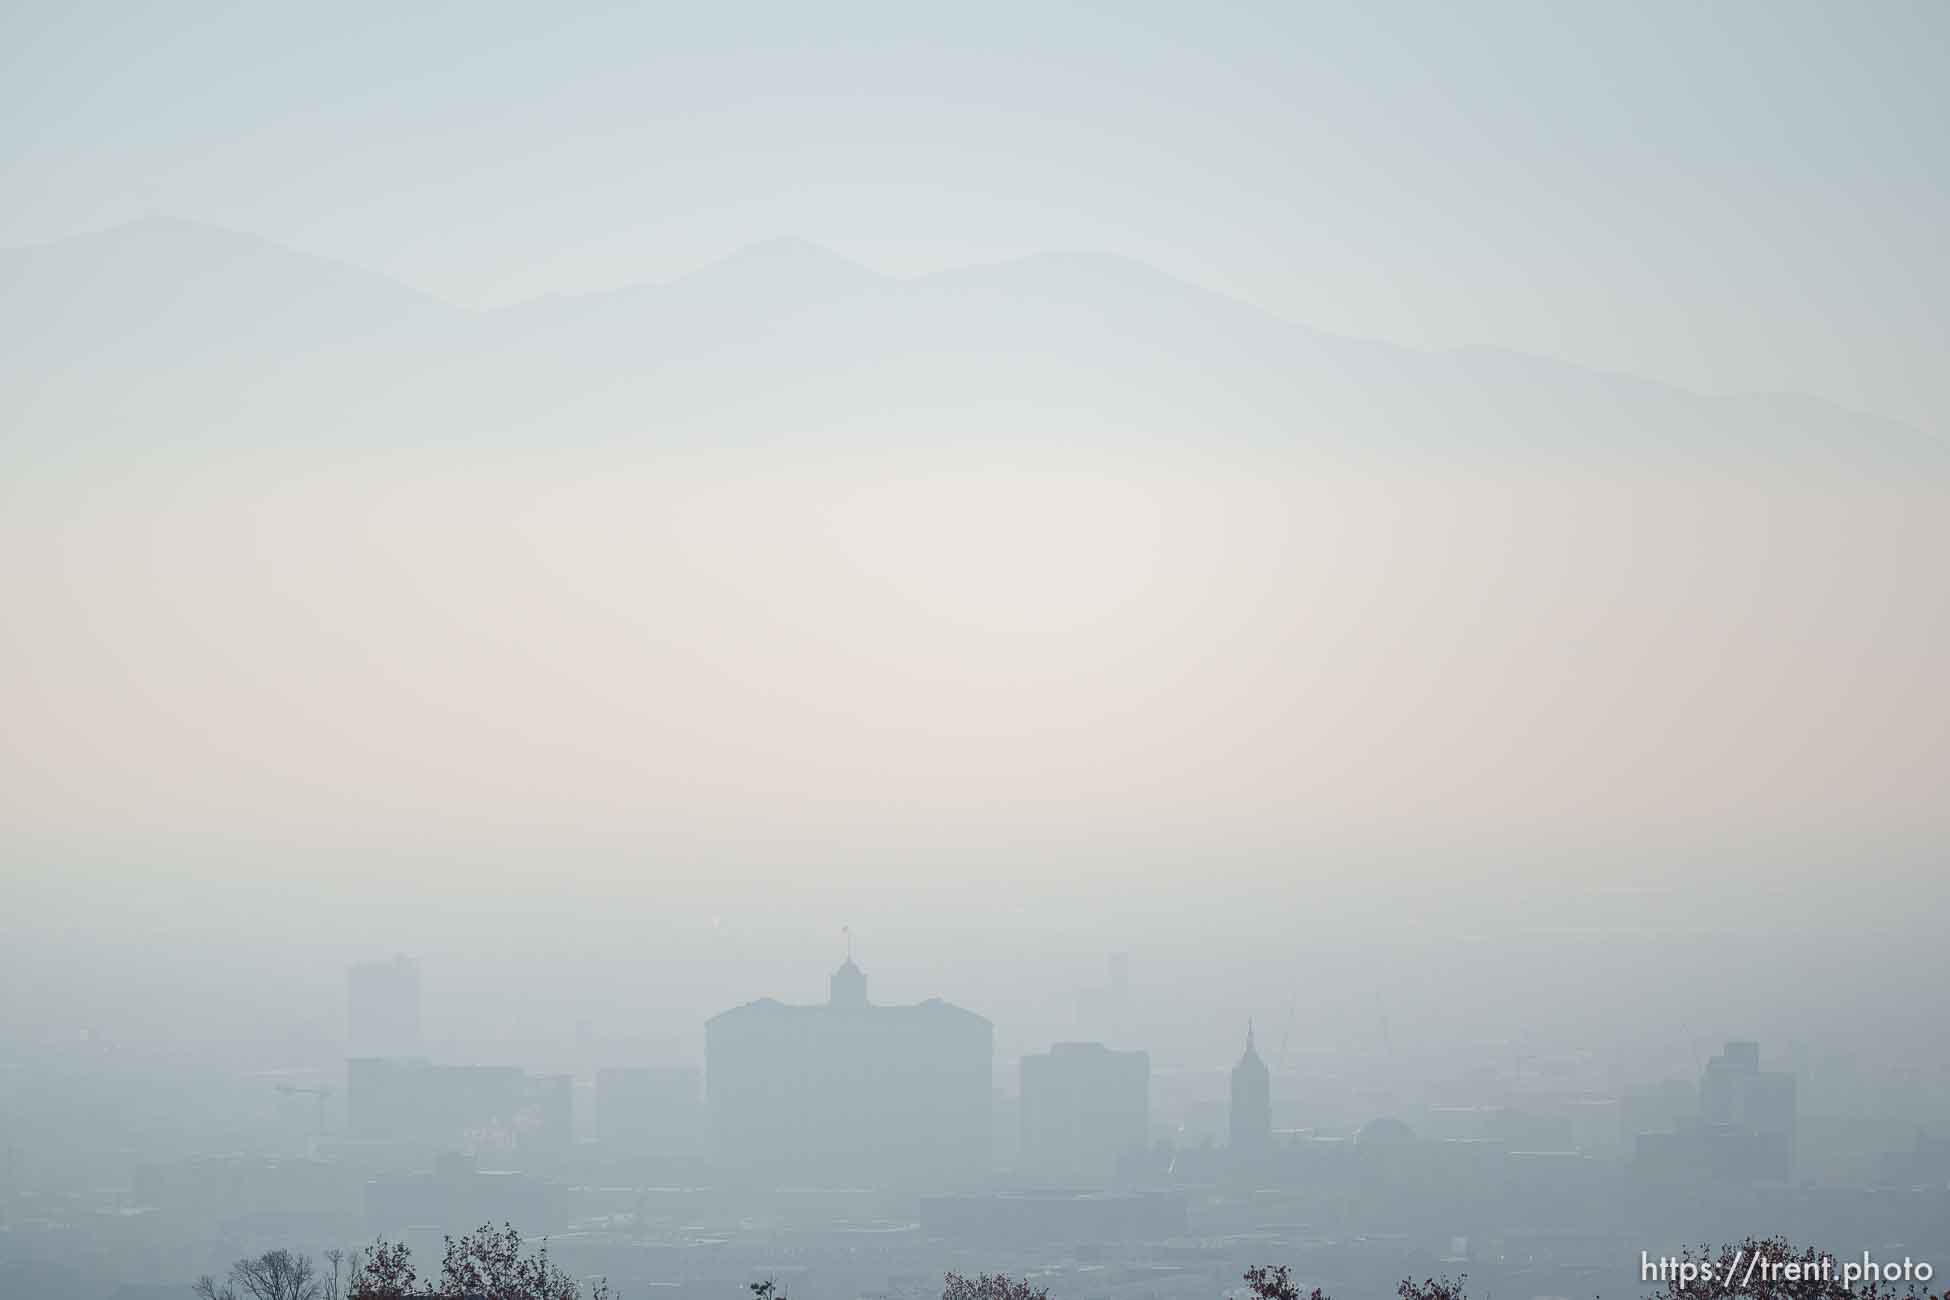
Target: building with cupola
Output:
[{"x": 850, "y": 1093}]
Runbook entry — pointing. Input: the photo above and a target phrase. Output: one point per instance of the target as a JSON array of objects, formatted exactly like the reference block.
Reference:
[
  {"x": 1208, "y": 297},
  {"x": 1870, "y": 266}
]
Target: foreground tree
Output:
[
  {"x": 274, "y": 1275},
  {"x": 1432, "y": 1288},
  {"x": 384, "y": 1271},
  {"x": 341, "y": 1263},
  {"x": 1277, "y": 1284},
  {"x": 991, "y": 1286},
  {"x": 489, "y": 1263}
]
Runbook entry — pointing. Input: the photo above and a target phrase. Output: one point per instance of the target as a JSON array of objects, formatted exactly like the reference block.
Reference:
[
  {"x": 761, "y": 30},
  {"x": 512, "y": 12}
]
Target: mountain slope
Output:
[{"x": 165, "y": 331}]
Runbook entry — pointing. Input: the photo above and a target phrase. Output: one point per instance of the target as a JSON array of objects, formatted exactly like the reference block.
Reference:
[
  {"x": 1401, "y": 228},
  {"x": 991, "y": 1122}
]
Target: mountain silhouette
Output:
[
  {"x": 165, "y": 288},
  {"x": 163, "y": 330}
]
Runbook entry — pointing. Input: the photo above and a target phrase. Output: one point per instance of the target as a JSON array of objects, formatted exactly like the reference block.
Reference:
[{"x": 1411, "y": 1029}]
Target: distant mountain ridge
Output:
[{"x": 192, "y": 331}]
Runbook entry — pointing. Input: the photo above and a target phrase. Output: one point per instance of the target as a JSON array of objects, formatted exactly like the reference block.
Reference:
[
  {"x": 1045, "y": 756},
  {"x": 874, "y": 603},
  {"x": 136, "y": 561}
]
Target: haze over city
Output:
[{"x": 538, "y": 547}]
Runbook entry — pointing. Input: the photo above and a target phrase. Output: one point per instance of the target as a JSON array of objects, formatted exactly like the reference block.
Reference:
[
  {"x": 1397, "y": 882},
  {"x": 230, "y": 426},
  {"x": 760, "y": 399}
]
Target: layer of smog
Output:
[{"x": 855, "y": 653}]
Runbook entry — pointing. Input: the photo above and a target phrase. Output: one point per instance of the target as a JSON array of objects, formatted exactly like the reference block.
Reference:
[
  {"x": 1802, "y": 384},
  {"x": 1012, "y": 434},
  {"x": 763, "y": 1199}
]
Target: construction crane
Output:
[{"x": 322, "y": 1092}]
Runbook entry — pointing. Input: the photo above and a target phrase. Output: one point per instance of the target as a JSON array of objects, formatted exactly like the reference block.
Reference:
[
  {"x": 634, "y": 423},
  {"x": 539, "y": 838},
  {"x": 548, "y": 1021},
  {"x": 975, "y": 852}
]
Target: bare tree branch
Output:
[{"x": 277, "y": 1275}]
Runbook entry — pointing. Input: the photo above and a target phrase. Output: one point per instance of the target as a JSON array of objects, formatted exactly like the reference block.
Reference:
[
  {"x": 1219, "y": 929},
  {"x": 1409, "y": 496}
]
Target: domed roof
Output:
[{"x": 1384, "y": 1132}]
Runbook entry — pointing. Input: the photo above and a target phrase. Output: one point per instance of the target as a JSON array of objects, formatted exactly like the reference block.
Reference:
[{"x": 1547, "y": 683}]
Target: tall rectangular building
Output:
[
  {"x": 1749, "y": 1114},
  {"x": 382, "y": 1008},
  {"x": 1084, "y": 1108}
]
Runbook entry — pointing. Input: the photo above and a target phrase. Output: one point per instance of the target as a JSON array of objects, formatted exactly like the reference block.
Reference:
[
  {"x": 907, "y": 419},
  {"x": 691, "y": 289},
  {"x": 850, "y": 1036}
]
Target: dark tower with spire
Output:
[
  {"x": 848, "y": 986},
  {"x": 1252, "y": 1102}
]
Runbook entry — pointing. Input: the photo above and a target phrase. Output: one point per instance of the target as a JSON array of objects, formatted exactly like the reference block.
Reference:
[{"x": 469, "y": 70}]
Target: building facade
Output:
[
  {"x": 382, "y": 1008},
  {"x": 1084, "y": 1109},
  {"x": 849, "y": 1093}
]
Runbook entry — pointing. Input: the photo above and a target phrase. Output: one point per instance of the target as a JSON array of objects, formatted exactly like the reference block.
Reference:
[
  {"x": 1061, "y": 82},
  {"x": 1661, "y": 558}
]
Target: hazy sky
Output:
[
  {"x": 854, "y": 666},
  {"x": 1730, "y": 196},
  {"x": 657, "y": 695}
]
